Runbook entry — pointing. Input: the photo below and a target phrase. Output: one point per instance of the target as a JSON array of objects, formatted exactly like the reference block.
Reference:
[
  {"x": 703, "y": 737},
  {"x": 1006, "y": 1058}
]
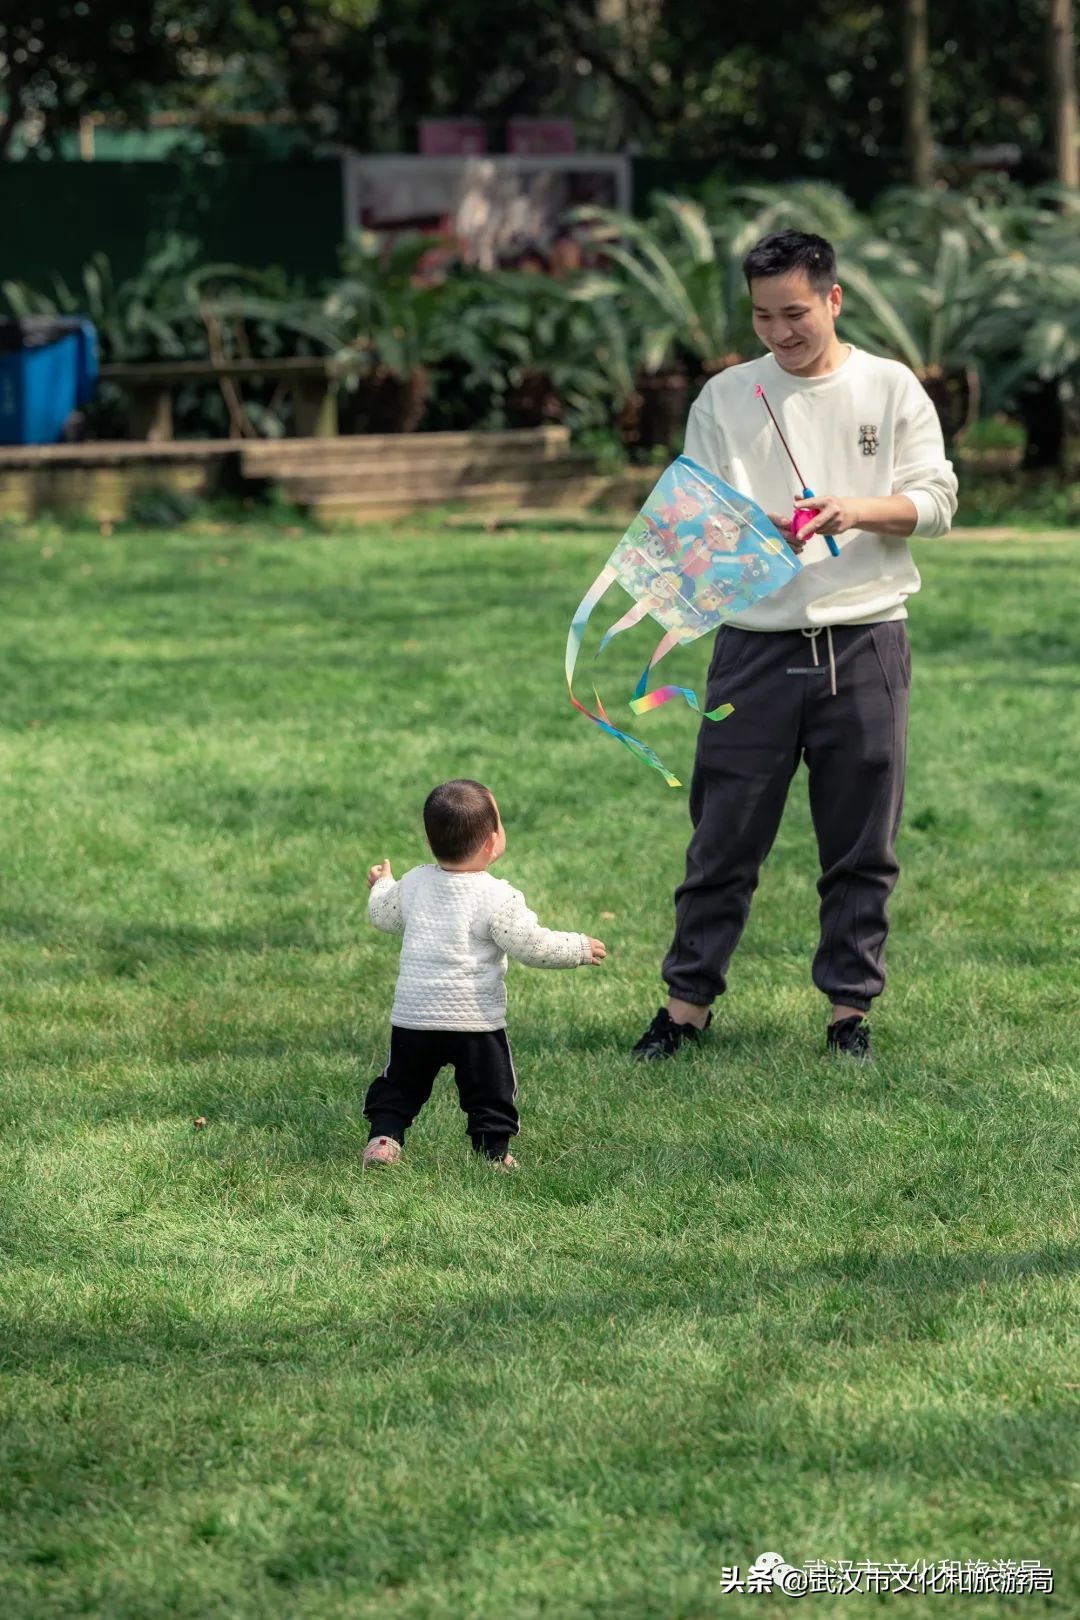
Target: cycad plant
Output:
[
  {"x": 673, "y": 286},
  {"x": 1032, "y": 336},
  {"x": 388, "y": 310},
  {"x": 144, "y": 317},
  {"x": 978, "y": 297},
  {"x": 173, "y": 308},
  {"x": 994, "y": 221},
  {"x": 805, "y": 205},
  {"x": 678, "y": 278},
  {"x": 930, "y": 316},
  {"x": 537, "y": 352}
]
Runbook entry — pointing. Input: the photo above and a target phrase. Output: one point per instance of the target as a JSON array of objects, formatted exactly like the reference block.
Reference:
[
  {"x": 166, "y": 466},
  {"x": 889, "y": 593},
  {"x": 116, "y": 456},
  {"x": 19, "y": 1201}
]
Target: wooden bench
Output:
[{"x": 311, "y": 381}]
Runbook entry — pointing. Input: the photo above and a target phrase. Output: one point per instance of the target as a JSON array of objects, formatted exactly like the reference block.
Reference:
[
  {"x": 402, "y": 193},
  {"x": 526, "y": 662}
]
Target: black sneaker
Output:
[
  {"x": 852, "y": 1037},
  {"x": 664, "y": 1036}
]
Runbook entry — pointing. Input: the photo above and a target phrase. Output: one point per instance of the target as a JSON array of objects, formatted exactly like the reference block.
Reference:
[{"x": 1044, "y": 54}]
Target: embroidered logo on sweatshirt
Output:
[{"x": 868, "y": 438}]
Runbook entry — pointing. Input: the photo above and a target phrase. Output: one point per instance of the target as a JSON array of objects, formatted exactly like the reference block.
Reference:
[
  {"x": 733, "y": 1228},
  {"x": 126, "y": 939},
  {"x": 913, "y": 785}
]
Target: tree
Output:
[
  {"x": 1061, "y": 48},
  {"x": 57, "y": 58},
  {"x": 764, "y": 92},
  {"x": 60, "y": 59},
  {"x": 918, "y": 137}
]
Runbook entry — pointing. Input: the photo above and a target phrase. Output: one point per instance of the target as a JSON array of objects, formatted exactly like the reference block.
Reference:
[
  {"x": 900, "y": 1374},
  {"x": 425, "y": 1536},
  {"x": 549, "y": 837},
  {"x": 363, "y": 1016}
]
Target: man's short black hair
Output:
[
  {"x": 458, "y": 817},
  {"x": 783, "y": 251}
]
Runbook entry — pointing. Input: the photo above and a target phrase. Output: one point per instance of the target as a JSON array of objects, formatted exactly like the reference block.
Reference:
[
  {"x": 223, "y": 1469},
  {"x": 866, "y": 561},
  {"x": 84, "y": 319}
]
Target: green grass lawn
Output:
[{"x": 751, "y": 1301}]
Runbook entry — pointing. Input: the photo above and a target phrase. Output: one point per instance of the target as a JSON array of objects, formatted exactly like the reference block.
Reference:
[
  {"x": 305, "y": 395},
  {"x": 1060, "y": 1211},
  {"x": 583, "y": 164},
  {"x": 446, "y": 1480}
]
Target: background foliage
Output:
[
  {"x": 675, "y": 79},
  {"x": 977, "y": 291}
]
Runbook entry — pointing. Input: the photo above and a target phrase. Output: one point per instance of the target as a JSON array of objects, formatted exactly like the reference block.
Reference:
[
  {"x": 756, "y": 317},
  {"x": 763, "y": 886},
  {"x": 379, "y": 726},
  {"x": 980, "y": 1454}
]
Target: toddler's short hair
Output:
[{"x": 458, "y": 817}]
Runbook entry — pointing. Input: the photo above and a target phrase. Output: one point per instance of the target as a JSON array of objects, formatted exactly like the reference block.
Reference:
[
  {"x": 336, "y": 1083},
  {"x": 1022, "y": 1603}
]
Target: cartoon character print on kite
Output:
[
  {"x": 721, "y": 533},
  {"x": 659, "y": 544},
  {"x": 662, "y": 591},
  {"x": 697, "y": 554},
  {"x": 698, "y": 557},
  {"x": 717, "y": 540},
  {"x": 744, "y": 594},
  {"x": 714, "y": 596},
  {"x": 678, "y": 509}
]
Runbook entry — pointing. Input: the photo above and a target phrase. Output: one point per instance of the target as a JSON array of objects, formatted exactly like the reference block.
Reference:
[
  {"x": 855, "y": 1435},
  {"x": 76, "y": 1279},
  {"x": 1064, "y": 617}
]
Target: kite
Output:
[{"x": 697, "y": 555}]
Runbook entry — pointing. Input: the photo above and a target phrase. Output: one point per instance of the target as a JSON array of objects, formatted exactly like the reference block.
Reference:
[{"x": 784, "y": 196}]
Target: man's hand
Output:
[
  {"x": 832, "y": 515},
  {"x": 598, "y": 949},
  {"x": 377, "y": 872}
]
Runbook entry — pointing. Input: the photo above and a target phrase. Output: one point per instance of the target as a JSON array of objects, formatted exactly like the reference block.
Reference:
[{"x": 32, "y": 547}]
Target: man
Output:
[{"x": 820, "y": 669}]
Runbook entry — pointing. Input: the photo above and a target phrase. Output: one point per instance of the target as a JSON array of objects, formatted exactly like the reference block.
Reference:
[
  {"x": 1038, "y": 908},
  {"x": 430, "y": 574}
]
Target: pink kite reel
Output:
[{"x": 801, "y": 516}]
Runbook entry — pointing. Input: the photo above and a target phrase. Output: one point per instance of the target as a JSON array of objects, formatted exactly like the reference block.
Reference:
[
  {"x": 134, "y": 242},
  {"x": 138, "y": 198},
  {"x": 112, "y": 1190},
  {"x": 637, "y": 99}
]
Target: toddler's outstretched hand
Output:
[
  {"x": 598, "y": 948},
  {"x": 377, "y": 872}
]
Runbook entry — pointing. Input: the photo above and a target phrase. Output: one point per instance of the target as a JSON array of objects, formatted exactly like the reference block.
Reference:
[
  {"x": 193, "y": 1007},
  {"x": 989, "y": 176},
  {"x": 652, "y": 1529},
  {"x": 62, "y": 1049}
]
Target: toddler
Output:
[{"x": 459, "y": 925}]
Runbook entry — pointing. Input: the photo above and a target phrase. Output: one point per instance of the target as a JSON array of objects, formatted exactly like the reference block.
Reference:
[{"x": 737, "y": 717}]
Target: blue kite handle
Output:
[{"x": 808, "y": 495}]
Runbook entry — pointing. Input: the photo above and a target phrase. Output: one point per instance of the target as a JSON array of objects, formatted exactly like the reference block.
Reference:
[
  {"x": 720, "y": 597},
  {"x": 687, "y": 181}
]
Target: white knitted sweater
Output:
[{"x": 459, "y": 928}]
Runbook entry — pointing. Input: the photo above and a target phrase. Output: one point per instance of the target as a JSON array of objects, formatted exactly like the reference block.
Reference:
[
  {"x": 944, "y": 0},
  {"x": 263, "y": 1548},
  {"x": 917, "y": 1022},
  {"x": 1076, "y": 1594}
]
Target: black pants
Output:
[
  {"x": 483, "y": 1069},
  {"x": 854, "y": 745}
]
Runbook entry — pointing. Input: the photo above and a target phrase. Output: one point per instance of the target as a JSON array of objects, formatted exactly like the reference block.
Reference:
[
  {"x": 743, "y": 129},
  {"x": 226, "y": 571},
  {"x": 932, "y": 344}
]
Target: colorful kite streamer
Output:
[{"x": 697, "y": 555}]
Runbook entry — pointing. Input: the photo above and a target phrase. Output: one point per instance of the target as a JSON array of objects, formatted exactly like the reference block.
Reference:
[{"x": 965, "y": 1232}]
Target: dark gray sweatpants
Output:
[{"x": 854, "y": 745}]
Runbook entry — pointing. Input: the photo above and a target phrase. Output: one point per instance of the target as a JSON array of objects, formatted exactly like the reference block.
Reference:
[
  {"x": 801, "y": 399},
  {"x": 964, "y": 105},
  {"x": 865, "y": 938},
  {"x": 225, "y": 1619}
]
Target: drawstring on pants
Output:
[{"x": 812, "y": 636}]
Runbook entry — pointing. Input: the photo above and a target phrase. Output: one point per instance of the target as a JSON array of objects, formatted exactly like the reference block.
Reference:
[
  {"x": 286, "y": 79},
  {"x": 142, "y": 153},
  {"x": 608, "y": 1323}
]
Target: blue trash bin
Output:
[{"x": 48, "y": 367}]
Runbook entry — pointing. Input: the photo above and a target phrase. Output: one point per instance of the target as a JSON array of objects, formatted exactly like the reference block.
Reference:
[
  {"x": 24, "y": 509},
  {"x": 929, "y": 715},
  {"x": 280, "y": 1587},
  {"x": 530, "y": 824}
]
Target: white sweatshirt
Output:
[
  {"x": 459, "y": 928},
  {"x": 868, "y": 428}
]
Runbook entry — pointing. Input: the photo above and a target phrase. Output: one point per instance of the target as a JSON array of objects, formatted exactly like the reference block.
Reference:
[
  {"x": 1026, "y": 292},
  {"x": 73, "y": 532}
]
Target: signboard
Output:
[
  {"x": 452, "y": 137},
  {"x": 540, "y": 137}
]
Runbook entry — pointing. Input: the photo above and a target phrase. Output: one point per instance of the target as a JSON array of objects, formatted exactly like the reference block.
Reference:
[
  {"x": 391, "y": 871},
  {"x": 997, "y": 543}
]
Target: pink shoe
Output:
[
  {"x": 381, "y": 1150},
  {"x": 507, "y": 1162}
]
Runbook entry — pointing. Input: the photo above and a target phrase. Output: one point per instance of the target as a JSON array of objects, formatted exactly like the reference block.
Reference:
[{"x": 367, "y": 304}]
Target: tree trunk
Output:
[
  {"x": 955, "y": 397},
  {"x": 918, "y": 136},
  {"x": 11, "y": 114},
  {"x": 1043, "y": 414},
  {"x": 1061, "y": 52}
]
